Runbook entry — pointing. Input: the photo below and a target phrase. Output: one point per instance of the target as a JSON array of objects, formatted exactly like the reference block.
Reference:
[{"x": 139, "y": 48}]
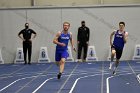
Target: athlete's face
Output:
[
  {"x": 121, "y": 26},
  {"x": 66, "y": 27}
]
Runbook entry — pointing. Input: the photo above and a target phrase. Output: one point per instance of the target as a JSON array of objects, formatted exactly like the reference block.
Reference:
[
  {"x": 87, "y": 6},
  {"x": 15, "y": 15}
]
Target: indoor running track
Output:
[{"x": 86, "y": 77}]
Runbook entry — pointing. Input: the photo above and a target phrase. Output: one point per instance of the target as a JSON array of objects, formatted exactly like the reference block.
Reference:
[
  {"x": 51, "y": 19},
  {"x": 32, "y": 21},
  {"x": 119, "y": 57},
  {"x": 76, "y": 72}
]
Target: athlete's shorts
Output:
[
  {"x": 61, "y": 54},
  {"x": 118, "y": 51}
]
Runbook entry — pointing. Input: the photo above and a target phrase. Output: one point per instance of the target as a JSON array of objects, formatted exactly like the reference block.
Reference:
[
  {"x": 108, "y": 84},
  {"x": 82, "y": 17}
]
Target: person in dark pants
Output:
[
  {"x": 26, "y": 36},
  {"x": 83, "y": 40}
]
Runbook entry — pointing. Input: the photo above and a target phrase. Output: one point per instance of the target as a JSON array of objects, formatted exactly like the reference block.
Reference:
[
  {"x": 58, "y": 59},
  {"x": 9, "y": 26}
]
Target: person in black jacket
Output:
[
  {"x": 26, "y": 36},
  {"x": 83, "y": 40}
]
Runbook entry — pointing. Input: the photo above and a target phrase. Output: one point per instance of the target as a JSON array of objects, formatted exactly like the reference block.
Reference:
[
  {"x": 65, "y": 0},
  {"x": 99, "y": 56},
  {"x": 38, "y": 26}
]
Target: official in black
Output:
[
  {"x": 26, "y": 36},
  {"x": 83, "y": 40}
]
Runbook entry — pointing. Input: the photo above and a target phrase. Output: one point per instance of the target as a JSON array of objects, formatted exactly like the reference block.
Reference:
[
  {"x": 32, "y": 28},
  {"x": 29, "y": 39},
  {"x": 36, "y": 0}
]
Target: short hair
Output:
[
  {"x": 83, "y": 21},
  {"x": 66, "y": 23},
  {"x": 122, "y": 23},
  {"x": 26, "y": 23}
]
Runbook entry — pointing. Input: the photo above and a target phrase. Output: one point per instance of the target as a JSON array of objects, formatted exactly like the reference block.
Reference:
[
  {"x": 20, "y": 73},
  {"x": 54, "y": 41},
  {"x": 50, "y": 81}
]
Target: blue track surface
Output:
[{"x": 94, "y": 77}]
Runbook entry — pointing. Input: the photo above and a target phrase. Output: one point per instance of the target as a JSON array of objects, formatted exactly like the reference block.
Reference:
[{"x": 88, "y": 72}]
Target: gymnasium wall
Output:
[
  {"x": 101, "y": 20},
  {"x": 30, "y": 3}
]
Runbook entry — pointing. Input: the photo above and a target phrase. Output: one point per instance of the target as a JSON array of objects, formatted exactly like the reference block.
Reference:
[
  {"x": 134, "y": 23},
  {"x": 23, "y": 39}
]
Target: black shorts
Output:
[{"x": 118, "y": 51}]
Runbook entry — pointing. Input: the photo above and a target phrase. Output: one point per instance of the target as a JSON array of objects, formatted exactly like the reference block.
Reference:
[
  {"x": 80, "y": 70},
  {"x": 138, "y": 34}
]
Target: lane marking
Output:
[
  {"x": 107, "y": 81},
  {"x": 107, "y": 84},
  {"x": 67, "y": 79},
  {"x": 137, "y": 76},
  {"x": 71, "y": 90},
  {"x": 19, "y": 80},
  {"x": 14, "y": 71},
  {"x": 15, "y": 82},
  {"x": 34, "y": 78},
  {"x": 41, "y": 85},
  {"x": 132, "y": 69},
  {"x": 102, "y": 79}
]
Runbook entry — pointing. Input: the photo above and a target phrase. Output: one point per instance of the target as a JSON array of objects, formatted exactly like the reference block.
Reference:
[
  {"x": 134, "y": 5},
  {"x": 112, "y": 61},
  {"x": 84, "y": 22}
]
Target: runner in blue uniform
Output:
[
  {"x": 120, "y": 38},
  {"x": 62, "y": 39}
]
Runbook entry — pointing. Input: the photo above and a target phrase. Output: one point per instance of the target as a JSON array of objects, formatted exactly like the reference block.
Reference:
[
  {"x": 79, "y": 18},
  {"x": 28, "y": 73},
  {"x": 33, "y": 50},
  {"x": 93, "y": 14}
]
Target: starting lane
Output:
[
  {"x": 86, "y": 77},
  {"x": 123, "y": 83}
]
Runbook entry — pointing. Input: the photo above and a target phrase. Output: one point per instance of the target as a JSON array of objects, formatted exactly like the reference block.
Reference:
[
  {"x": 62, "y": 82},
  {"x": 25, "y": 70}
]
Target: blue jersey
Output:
[
  {"x": 63, "y": 38},
  {"x": 118, "y": 40}
]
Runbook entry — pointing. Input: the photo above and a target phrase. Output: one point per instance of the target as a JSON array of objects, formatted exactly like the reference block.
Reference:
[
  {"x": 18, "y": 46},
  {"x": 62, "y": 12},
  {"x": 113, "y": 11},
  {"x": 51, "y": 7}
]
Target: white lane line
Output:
[
  {"x": 68, "y": 78},
  {"x": 46, "y": 70},
  {"x": 102, "y": 79},
  {"x": 131, "y": 68},
  {"x": 41, "y": 85},
  {"x": 137, "y": 76},
  {"x": 107, "y": 84},
  {"x": 71, "y": 90},
  {"x": 74, "y": 85},
  {"x": 14, "y": 82},
  {"x": 107, "y": 81}
]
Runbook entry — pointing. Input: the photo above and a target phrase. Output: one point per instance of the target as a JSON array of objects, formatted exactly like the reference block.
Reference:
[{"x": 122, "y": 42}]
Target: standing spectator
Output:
[
  {"x": 26, "y": 36},
  {"x": 83, "y": 40}
]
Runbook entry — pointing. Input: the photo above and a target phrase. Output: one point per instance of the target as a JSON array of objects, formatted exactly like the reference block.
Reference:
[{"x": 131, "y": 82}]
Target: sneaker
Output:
[
  {"x": 84, "y": 60},
  {"x": 25, "y": 63},
  {"x": 59, "y": 76},
  {"x": 79, "y": 60},
  {"x": 110, "y": 67},
  {"x": 114, "y": 72}
]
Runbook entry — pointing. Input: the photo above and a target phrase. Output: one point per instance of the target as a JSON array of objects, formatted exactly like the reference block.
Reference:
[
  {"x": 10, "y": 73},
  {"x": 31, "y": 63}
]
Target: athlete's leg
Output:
[
  {"x": 25, "y": 51},
  {"x": 85, "y": 51},
  {"x": 64, "y": 56},
  {"x": 29, "y": 52},
  {"x": 116, "y": 65},
  {"x": 62, "y": 65},
  {"x": 113, "y": 52},
  {"x": 79, "y": 51},
  {"x": 118, "y": 56}
]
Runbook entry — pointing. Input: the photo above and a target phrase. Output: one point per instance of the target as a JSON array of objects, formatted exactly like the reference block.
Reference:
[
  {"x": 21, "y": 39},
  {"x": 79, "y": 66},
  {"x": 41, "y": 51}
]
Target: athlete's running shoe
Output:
[
  {"x": 110, "y": 66},
  {"x": 59, "y": 76},
  {"x": 114, "y": 72}
]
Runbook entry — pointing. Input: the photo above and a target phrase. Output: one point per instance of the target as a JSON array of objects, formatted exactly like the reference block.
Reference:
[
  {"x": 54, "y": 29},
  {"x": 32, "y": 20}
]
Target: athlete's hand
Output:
[
  {"x": 30, "y": 40},
  {"x": 74, "y": 49},
  {"x": 23, "y": 39},
  {"x": 62, "y": 44},
  {"x": 78, "y": 42}
]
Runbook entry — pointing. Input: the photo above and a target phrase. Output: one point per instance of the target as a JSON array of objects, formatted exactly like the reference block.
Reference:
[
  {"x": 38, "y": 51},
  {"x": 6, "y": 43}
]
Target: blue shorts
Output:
[
  {"x": 118, "y": 51},
  {"x": 61, "y": 54}
]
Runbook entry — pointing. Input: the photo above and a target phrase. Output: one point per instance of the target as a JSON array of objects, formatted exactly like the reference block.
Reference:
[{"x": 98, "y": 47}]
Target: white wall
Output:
[
  {"x": 48, "y": 21},
  {"x": 27, "y": 3}
]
